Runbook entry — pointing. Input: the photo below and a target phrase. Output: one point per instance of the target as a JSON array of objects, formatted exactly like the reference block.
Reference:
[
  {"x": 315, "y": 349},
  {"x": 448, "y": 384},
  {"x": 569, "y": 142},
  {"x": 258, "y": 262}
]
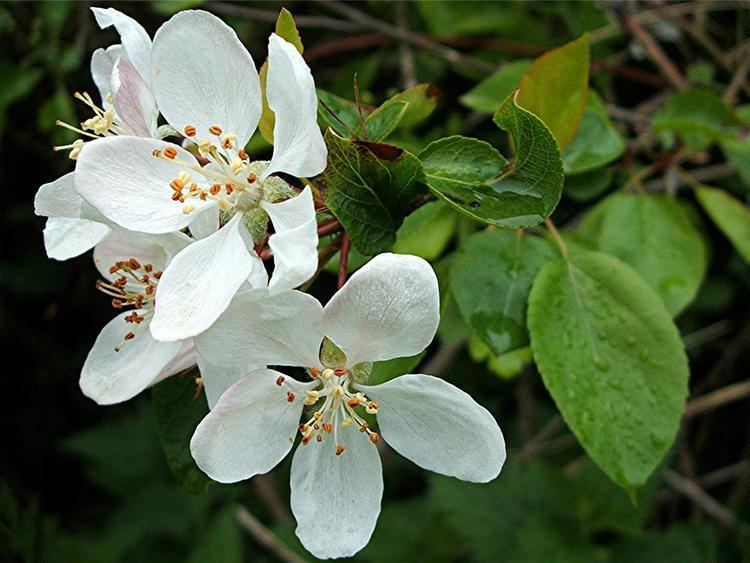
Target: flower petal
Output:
[
  {"x": 121, "y": 245},
  {"x": 135, "y": 40},
  {"x": 66, "y": 238},
  {"x": 439, "y": 427},
  {"x": 59, "y": 198},
  {"x": 298, "y": 147},
  {"x": 219, "y": 378},
  {"x": 295, "y": 241},
  {"x": 250, "y": 429},
  {"x": 336, "y": 498},
  {"x": 204, "y": 76},
  {"x": 127, "y": 184},
  {"x": 387, "y": 309},
  {"x": 205, "y": 223},
  {"x": 262, "y": 329},
  {"x": 102, "y": 64},
  {"x": 200, "y": 282},
  {"x": 110, "y": 377},
  {"x": 186, "y": 357},
  {"x": 134, "y": 103}
]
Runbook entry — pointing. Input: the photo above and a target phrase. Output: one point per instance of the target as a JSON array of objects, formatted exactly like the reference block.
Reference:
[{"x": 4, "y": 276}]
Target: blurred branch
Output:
[
  {"x": 724, "y": 474},
  {"x": 408, "y": 66},
  {"x": 442, "y": 359},
  {"x": 266, "y": 489},
  {"x": 706, "y": 502},
  {"x": 704, "y": 174},
  {"x": 262, "y": 14},
  {"x": 394, "y": 32},
  {"x": 655, "y": 53},
  {"x": 739, "y": 81},
  {"x": 718, "y": 398},
  {"x": 537, "y": 442},
  {"x": 708, "y": 334},
  {"x": 265, "y": 537}
]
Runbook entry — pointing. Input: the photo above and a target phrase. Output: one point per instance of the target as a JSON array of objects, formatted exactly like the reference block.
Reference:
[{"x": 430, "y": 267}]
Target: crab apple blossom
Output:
[
  {"x": 388, "y": 309},
  {"x": 125, "y": 359},
  {"x": 207, "y": 87}
]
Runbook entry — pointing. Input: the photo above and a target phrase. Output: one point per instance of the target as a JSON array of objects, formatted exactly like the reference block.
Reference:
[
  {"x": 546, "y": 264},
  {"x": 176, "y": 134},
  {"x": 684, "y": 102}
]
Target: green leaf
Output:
[
  {"x": 345, "y": 111},
  {"x": 612, "y": 360},
  {"x": 490, "y": 92},
  {"x": 220, "y": 541},
  {"x": 177, "y": 415},
  {"x": 596, "y": 143},
  {"x": 490, "y": 277},
  {"x": 657, "y": 237},
  {"x": 474, "y": 178},
  {"x": 388, "y": 369},
  {"x": 700, "y": 117},
  {"x": 286, "y": 28},
  {"x": 384, "y": 120},
  {"x": 730, "y": 215},
  {"x": 427, "y": 231},
  {"x": 368, "y": 187},
  {"x": 738, "y": 155},
  {"x": 588, "y": 185},
  {"x": 506, "y": 366},
  {"x": 422, "y": 99},
  {"x": 555, "y": 88}
]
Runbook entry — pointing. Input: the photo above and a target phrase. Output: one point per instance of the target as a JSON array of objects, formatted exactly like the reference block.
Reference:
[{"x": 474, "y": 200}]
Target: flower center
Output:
[
  {"x": 338, "y": 404},
  {"x": 136, "y": 287},
  {"x": 103, "y": 123}
]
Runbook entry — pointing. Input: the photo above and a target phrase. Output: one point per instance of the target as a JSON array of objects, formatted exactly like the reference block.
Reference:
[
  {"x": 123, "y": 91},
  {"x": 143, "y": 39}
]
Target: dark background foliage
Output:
[{"x": 81, "y": 482}]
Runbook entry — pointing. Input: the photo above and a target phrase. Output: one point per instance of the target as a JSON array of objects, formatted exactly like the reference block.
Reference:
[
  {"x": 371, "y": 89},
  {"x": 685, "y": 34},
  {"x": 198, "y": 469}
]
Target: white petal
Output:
[
  {"x": 121, "y": 245},
  {"x": 205, "y": 223},
  {"x": 186, "y": 357},
  {"x": 336, "y": 499},
  {"x": 439, "y": 427},
  {"x": 66, "y": 238},
  {"x": 219, "y": 378},
  {"x": 58, "y": 198},
  {"x": 295, "y": 241},
  {"x": 262, "y": 329},
  {"x": 127, "y": 184},
  {"x": 102, "y": 64},
  {"x": 134, "y": 103},
  {"x": 388, "y": 309},
  {"x": 298, "y": 147},
  {"x": 203, "y": 76},
  {"x": 135, "y": 40},
  {"x": 110, "y": 377},
  {"x": 200, "y": 282},
  {"x": 250, "y": 429}
]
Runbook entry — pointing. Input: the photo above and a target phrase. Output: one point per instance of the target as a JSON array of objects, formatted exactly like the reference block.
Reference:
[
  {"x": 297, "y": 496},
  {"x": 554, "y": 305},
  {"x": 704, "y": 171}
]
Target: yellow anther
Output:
[
  {"x": 311, "y": 398},
  {"x": 346, "y": 422},
  {"x": 338, "y": 391},
  {"x": 327, "y": 373},
  {"x": 76, "y": 150},
  {"x": 372, "y": 407},
  {"x": 205, "y": 147},
  {"x": 224, "y": 204},
  {"x": 188, "y": 209},
  {"x": 237, "y": 165}
]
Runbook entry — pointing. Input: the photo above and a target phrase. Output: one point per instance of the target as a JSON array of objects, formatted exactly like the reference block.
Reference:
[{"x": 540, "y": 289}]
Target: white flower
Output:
[
  {"x": 128, "y": 108},
  {"x": 207, "y": 87},
  {"x": 125, "y": 359},
  {"x": 388, "y": 309}
]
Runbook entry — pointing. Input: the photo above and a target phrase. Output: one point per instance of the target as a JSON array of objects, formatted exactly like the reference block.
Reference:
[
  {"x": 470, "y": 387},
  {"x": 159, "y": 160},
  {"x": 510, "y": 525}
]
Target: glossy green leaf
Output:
[
  {"x": 596, "y": 143},
  {"x": 368, "y": 187},
  {"x": 427, "y": 231},
  {"x": 383, "y": 121},
  {"x": 221, "y": 540},
  {"x": 490, "y": 277},
  {"x": 388, "y": 369},
  {"x": 699, "y": 117},
  {"x": 286, "y": 28},
  {"x": 588, "y": 185},
  {"x": 555, "y": 88},
  {"x": 177, "y": 415},
  {"x": 474, "y": 177},
  {"x": 423, "y": 99},
  {"x": 506, "y": 366},
  {"x": 612, "y": 360},
  {"x": 730, "y": 215},
  {"x": 347, "y": 121},
  {"x": 490, "y": 92},
  {"x": 657, "y": 237}
]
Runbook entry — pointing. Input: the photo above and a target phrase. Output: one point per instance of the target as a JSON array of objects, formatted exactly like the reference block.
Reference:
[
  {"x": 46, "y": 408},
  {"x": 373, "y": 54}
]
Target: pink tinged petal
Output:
[
  {"x": 204, "y": 76},
  {"x": 218, "y": 378},
  {"x": 66, "y": 238},
  {"x": 134, "y": 103},
  {"x": 102, "y": 64},
  {"x": 135, "y": 40},
  {"x": 295, "y": 241},
  {"x": 59, "y": 198},
  {"x": 122, "y": 179},
  {"x": 298, "y": 147},
  {"x": 336, "y": 498},
  {"x": 390, "y": 308},
  {"x": 121, "y": 245},
  {"x": 250, "y": 429},
  {"x": 201, "y": 281},
  {"x": 262, "y": 329},
  {"x": 109, "y": 376},
  {"x": 438, "y": 427}
]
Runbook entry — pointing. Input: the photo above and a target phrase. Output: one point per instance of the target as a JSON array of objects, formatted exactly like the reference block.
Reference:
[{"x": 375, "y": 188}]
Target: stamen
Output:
[
  {"x": 339, "y": 371},
  {"x": 372, "y": 407},
  {"x": 189, "y": 131},
  {"x": 374, "y": 437},
  {"x": 327, "y": 373},
  {"x": 188, "y": 209},
  {"x": 280, "y": 380},
  {"x": 215, "y": 130},
  {"x": 340, "y": 449},
  {"x": 170, "y": 153},
  {"x": 290, "y": 397},
  {"x": 314, "y": 372}
]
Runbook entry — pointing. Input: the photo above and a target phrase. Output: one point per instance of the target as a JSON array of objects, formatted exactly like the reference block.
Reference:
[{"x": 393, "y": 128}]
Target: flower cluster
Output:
[{"x": 177, "y": 231}]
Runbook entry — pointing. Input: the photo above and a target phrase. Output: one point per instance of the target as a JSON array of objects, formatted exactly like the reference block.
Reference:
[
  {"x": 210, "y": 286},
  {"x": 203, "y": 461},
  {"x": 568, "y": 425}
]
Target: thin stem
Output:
[
  {"x": 346, "y": 244},
  {"x": 265, "y": 537},
  {"x": 718, "y": 398},
  {"x": 556, "y": 235},
  {"x": 329, "y": 228}
]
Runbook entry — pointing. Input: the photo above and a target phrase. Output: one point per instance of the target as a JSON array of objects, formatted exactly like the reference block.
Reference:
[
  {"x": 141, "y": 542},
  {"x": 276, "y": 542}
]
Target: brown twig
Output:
[
  {"x": 739, "y": 81},
  {"x": 704, "y": 174},
  {"x": 442, "y": 359},
  {"x": 266, "y": 490},
  {"x": 718, "y": 398},
  {"x": 535, "y": 444},
  {"x": 260, "y": 14},
  {"x": 406, "y": 54},
  {"x": 346, "y": 244},
  {"x": 329, "y": 227},
  {"x": 265, "y": 537},
  {"x": 655, "y": 53}
]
